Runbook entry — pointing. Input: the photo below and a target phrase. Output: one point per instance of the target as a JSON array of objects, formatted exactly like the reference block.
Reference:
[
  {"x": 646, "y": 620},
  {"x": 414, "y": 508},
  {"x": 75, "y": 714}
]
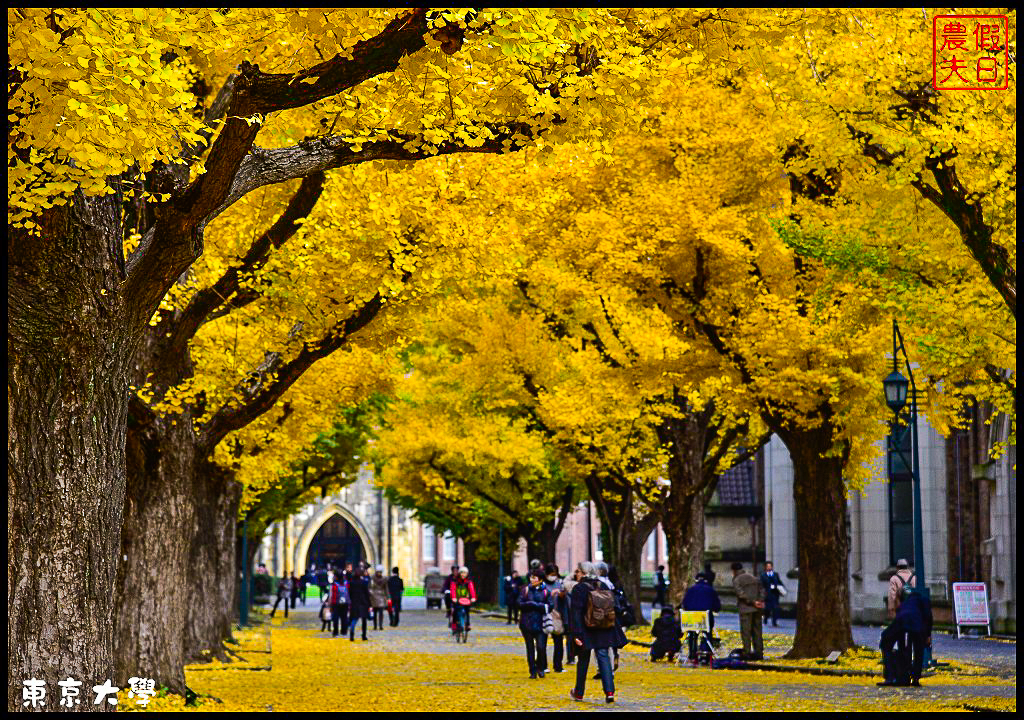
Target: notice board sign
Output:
[{"x": 970, "y": 605}]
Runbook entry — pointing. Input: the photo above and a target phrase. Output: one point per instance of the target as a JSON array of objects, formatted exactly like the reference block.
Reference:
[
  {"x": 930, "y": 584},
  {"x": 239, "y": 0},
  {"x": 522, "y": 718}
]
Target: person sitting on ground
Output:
[{"x": 667, "y": 636}]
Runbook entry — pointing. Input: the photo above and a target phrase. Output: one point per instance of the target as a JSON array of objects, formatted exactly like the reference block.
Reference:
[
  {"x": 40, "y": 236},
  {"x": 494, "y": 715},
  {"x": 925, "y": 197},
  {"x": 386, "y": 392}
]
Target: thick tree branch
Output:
[
  {"x": 267, "y": 167},
  {"x": 201, "y": 307},
  {"x": 952, "y": 198},
  {"x": 260, "y": 397},
  {"x": 175, "y": 240}
]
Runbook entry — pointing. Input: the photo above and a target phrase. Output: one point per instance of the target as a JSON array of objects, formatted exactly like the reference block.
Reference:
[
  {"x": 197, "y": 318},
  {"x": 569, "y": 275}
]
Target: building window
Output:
[
  {"x": 448, "y": 547},
  {"x": 901, "y": 496},
  {"x": 598, "y": 553},
  {"x": 429, "y": 545},
  {"x": 652, "y": 546}
]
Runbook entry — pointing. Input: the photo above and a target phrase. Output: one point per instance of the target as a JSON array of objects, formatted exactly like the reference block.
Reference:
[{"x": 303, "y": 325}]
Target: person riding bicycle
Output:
[{"x": 462, "y": 593}]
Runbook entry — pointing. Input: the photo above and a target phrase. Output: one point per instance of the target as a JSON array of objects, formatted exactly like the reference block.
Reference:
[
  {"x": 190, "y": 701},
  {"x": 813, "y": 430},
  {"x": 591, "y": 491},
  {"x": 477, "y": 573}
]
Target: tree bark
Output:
[
  {"x": 683, "y": 523},
  {"x": 69, "y": 345},
  {"x": 485, "y": 573},
  {"x": 212, "y": 576},
  {"x": 819, "y": 493},
  {"x": 159, "y": 519},
  {"x": 626, "y": 535}
]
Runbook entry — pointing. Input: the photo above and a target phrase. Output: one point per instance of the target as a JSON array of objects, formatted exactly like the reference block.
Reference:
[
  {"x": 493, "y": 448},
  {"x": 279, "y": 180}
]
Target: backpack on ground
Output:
[{"x": 600, "y": 614}]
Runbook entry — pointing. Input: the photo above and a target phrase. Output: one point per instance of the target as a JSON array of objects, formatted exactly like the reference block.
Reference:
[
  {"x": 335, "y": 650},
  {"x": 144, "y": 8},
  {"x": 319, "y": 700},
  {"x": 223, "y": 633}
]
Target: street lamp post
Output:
[
  {"x": 896, "y": 394},
  {"x": 243, "y": 600},
  {"x": 501, "y": 565}
]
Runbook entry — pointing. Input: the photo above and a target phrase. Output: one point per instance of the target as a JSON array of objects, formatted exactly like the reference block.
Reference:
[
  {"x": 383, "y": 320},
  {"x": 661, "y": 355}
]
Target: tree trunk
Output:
[
  {"x": 69, "y": 344},
  {"x": 213, "y": 583},
  {"x": 626, "y": 536},
  {"x": 484, "y": 573},
  {"x": 159, "y": 520},
  {"x": 819, "y": 493},
  {"x": 683, "y": 523}
]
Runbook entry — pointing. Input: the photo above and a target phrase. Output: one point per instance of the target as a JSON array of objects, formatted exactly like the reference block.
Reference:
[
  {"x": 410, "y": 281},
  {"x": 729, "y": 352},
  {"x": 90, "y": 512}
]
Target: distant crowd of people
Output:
[
  {"x": 348, "y": 597},
  {"x": 585, "y": 614}
]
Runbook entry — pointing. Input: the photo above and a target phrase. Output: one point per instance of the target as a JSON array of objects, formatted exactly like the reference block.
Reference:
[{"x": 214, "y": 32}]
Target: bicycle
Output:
[{"x": 459, "y": 622}]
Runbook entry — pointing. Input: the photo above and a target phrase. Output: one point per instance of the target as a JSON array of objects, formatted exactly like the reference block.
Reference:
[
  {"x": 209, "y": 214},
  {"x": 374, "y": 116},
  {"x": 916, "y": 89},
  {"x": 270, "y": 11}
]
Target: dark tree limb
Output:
[
  {"x": 201, "y": 307},
  {"x": 260, "y": 397}
]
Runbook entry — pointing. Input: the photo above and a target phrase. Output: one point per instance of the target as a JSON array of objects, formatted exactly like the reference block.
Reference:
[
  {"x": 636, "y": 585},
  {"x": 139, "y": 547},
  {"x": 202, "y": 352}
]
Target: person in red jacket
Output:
[{"x": 462, "y": 592}]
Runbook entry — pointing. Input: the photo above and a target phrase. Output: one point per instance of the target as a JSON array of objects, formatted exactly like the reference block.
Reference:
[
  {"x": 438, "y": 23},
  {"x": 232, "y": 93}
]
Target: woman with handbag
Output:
[{"x": 534, "y": 607}]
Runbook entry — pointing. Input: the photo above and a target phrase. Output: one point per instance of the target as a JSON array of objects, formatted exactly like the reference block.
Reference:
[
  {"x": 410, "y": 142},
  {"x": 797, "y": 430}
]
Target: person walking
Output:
[
  {"x": 625, "y": 615},
  {"x": 325, "y": 612},
  {"x": 358, "y": 601},
  {"x": 534, "y": 604},
  {"x": 565, "y": 609},
  {"x": 395, "y": 589},
  {"x": 284, "y": 591},
  {"x": 513, "y": 584},
  {"x": 772, "y": 583},
  {"x": 660, "y": 587},
  {"x": 295, "y": 589},
  {"x": 452, "y": 577},
  {"x": 709, "y": 573},
  {"x": 321, "y": 581},
  {"x": 904, "y": 576},
  {"x": 592, "y": 606},
  {"x": 667, "y": 634},
  {"x": 750, "y": 598},
  {"x": 337, "y": 595},
  {"x": 378, "y": 597},
  {"x": 911, "y": 629},
  {"x": 553, "y": 583}
]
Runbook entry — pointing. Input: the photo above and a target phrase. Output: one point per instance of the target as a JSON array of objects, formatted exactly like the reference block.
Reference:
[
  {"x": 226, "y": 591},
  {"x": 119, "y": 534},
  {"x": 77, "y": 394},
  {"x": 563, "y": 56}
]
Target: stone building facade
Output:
[{"x": 880, "y": 534}]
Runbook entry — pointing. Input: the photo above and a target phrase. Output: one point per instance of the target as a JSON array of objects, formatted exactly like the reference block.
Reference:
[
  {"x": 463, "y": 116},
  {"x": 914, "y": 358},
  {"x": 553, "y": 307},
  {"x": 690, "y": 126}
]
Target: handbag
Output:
[
  {"x": 557, "y": 625},
  {"x": 547, "y": 625}
]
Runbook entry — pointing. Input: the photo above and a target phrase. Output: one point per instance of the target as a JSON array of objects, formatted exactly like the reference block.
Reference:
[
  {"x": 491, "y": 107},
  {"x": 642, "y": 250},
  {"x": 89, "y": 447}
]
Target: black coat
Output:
[
  {"x": 667, "y": 633},
  {"x": 593, "y": 638},
  {"x": 359, "y": 596},
  {"x": 395, "y": 588},
  {"x": 534, "y": 604}
]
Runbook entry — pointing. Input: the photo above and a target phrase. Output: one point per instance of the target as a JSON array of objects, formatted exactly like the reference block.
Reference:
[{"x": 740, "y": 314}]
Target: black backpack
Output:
[{"x": 623, "y": 610}]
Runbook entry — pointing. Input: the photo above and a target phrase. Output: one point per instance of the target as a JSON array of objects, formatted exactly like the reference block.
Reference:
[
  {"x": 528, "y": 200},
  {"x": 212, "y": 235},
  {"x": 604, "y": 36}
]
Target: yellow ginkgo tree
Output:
[{"x": 129, "y": 132}]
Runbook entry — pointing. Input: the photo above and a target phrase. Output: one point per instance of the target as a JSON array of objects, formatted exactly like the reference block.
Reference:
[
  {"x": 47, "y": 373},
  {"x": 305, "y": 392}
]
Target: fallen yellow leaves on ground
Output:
[{"x": 420, "y": 669}]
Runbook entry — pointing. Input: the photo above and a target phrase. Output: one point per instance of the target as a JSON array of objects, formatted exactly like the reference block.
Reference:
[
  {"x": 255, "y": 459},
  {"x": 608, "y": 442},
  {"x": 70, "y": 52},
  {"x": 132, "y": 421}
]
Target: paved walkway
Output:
[{"x": 418, "y": 666}]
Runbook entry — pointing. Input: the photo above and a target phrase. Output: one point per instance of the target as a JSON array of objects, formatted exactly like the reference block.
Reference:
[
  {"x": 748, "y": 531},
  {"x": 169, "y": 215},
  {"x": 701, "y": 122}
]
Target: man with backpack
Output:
[
  {"x": 911, "y": 629},
  {"x": 592, "y": 606},
  {"x": 904, "y": 577}
]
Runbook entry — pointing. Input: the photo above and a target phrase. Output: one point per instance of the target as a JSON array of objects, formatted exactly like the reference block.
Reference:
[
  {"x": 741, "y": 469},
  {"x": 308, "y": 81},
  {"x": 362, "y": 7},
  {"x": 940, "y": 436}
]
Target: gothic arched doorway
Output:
[{"x": 335, "y": 543}]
